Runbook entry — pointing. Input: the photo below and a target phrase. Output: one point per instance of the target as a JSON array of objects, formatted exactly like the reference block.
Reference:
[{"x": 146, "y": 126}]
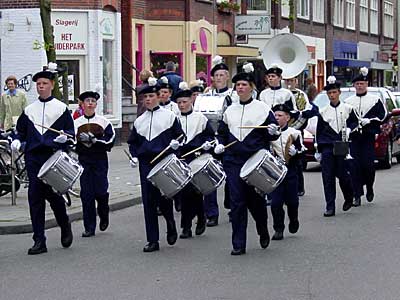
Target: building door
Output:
[{"x": 203, "y": 63}]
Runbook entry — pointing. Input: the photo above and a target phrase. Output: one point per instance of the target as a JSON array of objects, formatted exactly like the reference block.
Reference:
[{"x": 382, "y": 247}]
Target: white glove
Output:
[
  {"x": 207, "y": 145},
  {"x": 134, "y": 162},
  {"x": 292, "y": 150},
  {"x": 365, "y": 121},
  {"x": 92, "y": 137},
  {"x": 348, "y": 131},
  {"x": 174, "y": 144},
  {"x": 273, "y": 129},
  {"x": 318, "y": 156},
  {"x": 84, "y": 137},
  {"x": 219, "y": 149},
  {"x": 62, "y": 138},
  {"x": 15, "y": 145}
]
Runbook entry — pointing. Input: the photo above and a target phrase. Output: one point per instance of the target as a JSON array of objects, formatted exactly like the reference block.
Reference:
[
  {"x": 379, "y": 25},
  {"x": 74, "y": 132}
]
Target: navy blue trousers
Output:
[
  {"x": 285, "y": 193},
  {"x": 211, "y": 205},
  {"x": 152, "y": 198},
  {"x": 192, "y": 205},
  {"x": 243, "y": 197},
  {"x": 335, "y": 167},
  {"x": 363, "y": 167},
  {"x": 38, "y": 193},
  {"x": 94, "y": 187}
]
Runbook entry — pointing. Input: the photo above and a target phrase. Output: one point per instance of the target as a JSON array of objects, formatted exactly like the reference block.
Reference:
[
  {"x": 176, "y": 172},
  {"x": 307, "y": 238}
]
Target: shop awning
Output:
[
  {"x": 237, "y": 51},
  {"x": 354, "y": 63},
  {"x": 381, "y": 66}
]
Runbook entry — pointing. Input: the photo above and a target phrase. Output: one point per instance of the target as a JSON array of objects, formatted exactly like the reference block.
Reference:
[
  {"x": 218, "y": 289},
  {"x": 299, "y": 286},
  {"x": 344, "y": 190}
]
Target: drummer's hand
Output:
[
  {"x": 174, "y": 144},
  {"x": 219, "y": 149},
  {"x": 84, "y": 137},
  {"x": 318, "y": 157},
  {"x": 62, "y": 138},
  {"x": 292, "y": 150},
  {"x": 15, "y": 145},
  {"x": 207, "y": 145},
  {"x": 273, "y": 129},
  {"x": 92, "y": 137},
  {"x": 134, "y": 162}
]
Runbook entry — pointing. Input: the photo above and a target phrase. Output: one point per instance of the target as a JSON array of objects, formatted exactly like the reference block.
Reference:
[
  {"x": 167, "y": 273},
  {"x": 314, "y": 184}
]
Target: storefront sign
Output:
[
  {"x": 70, "y": 32},
  {"x": 245, "y": 24}
]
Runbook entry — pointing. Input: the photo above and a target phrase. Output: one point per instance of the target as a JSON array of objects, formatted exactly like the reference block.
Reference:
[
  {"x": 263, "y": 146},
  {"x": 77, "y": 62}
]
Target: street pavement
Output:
[{"x": 354, "y": 255}]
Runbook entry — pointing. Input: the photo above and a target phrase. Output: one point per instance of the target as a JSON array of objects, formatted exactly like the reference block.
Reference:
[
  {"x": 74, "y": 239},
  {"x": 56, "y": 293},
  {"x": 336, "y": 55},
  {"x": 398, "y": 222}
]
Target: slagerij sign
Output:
[{"x": 245, "y": 24}]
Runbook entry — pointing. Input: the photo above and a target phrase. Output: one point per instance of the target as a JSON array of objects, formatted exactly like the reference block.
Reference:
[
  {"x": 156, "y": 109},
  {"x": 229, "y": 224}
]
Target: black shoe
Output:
[
  {"x": 201, "y": 226},
  {"x": 172, "y": 234},
  {"x": 104, "y": 223},
  {"x": 186, "y": 233},
  {"x": 151, "y": 247},
  {"x": 301, "y": 193},
  {"x": 238, "y": 251},
  {"x": 357, "y": 201},
  {"x": 329, "y": 213},
  {"x": 278, "y": 235},
  {"x": 370, "y": 196},
  {"x": 294, "y": 226},
  {"x": 347, "y": 205},
  {"x": 38, "y": 248},
  {"x": 88, "y": 233},
  {"x": 264, "y": 240},
  {"x": 66, "y": 236},
  {"x": 212, "y": 221}
]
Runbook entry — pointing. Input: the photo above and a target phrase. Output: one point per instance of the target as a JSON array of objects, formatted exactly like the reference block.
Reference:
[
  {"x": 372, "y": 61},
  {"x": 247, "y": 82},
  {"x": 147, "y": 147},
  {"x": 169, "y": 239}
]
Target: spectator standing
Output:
[
  {"x": 144, "y": 76},
  {"x": 173, "y": 78},
  {"x": 311, "y": 90}
]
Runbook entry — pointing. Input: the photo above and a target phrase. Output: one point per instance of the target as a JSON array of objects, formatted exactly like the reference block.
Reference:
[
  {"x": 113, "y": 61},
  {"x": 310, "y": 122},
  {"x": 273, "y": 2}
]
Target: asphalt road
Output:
[{"x": 355, "y": 255}]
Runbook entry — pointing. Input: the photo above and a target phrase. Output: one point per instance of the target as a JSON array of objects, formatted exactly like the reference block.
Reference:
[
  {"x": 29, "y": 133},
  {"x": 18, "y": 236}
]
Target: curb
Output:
[{"x": 76, "y": 216}]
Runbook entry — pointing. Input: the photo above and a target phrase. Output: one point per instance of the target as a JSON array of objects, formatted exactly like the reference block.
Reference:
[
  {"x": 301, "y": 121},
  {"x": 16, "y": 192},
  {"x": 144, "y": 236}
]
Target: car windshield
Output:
[{"x": 322, "y": 100}]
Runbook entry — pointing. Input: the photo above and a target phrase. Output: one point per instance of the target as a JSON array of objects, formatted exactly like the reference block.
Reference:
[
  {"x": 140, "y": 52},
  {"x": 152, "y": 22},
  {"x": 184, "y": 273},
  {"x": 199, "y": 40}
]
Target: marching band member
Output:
[
  {"x": 198, "y": 134},
  {"x": 41, "y": 143},
  {"x": 95, "y": 137},
  {"x": 248, "y": 141},
  {"x": 197, "y": 88},
  {"x": 371, "y": 113},
  {"x": 152, "y": 132},
  {"x": 335, "y": 122},
  {"x": 288, "y": 147},
  {"x": 276, "y": 94},
  {"x": 165, "y": 96}
]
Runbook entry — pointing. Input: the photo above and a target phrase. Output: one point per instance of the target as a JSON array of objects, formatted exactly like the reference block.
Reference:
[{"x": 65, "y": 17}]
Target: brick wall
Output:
[{"x": 5, "y": 4}]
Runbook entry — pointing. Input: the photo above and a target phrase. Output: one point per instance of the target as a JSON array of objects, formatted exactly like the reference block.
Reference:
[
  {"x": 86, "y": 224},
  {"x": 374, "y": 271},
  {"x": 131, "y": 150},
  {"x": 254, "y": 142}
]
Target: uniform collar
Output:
[
  {"x": 47, "y": 99},
  {"x": 89, "y": 117},
  {"x": 186, "y": 113},
  {"x": 166, "y": 103},
  {"x": 361, "y": 95},
  {"x": 330, "y": 103},
  {"x": 223, "y": 90},
  {"x": 154, "y": 109},
  {"x": 247, "y": 102},
  {"x": 274, "y": 88},
  {"x": 285, "y": 127}
]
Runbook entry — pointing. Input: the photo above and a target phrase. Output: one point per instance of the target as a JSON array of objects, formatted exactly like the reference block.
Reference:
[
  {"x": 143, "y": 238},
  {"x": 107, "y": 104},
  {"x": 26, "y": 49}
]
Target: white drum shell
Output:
[
  {"x": 60, "y": 171},
  {"x": 263, "y": 171},
  {"x": 170, "y": 175},
  {"x": 208, "y": 173}
]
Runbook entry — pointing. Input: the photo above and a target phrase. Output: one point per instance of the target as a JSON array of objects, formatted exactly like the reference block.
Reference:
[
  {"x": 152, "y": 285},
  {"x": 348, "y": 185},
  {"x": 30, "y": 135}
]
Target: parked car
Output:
[{"x": 385, "y": 145}]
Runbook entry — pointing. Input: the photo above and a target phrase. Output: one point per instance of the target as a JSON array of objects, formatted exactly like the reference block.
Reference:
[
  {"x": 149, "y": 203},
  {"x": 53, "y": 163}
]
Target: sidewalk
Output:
[{"x": 124, "y": 191}]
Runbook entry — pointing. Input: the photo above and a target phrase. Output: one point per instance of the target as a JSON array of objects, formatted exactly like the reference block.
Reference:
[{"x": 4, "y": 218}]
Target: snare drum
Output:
[
  {"x": 170, "y": 175},
  {"x": 263, "y": 171},
  {"x": 208, "y": 173},
  {"x": 60, "y": 171}
]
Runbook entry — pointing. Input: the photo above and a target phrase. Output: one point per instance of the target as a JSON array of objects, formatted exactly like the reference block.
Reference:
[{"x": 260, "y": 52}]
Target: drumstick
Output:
[
  {"x": 194, "y": 150},
  {"x": 255, "y": 126},
  {"x": 230, "y": 144},
  {"x": 165, "y": 150},
  {"x": 128, "y": 154},
  {"x": 55, "y": 130}
]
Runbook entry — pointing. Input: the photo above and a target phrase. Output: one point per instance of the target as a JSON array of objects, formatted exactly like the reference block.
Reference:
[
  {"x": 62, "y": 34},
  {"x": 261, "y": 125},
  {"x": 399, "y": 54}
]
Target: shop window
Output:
[
  {"x": 159, "y": 59},
  {"x": 73, "y": 79},
  {"x": 107, "y": 77},
  {"x": 203, "y": 68}
]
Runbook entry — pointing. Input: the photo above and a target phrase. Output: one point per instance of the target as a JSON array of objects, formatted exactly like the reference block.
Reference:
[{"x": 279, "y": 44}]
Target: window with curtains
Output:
[
  {"x": 388, "y": 29},
  {"x": 338, "y": 14},
  {"x": 364, "y": 15},
  {"x": 303, "y": 9},
  {"x": 319, "y": 11},
  {"x": 351, "y": 14},
  {"x": 374, "y": 17},
  {"x": 259, "y": 5}
]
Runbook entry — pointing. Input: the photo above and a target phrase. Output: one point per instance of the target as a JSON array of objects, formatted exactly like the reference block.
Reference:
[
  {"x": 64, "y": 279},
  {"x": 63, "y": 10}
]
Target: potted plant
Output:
[{"x": 227, "y": 6}]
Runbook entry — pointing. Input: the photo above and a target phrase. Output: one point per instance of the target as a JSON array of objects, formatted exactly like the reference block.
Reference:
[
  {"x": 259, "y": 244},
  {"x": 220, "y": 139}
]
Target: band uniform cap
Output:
[
  {"x": 360, "y": 77},
  {"x": 183, "y": 94},
  {"x": 89, "y": 94},
  {"x": 243, "y": 76},
  {"x": 197, "y": 89},
  {"x": 332, "y": 86},
  {"x": 281, "y": 107},
  {"x": 217, "y": 67},
  {"x": 274, "y": 70},
  {"x": 44, "y": 74},
  {"x": 150, "y": 89}
]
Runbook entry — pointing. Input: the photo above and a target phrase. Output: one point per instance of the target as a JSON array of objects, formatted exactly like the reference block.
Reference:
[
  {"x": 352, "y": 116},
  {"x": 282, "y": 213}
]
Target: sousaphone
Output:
[{"x": 288, "y": 52}]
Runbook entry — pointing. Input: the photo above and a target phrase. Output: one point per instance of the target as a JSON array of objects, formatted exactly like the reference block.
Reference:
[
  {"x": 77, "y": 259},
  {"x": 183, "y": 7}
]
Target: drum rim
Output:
[
  {"x": 166, "y": 159},
  {"x": 45, "y": 167},
  {"x": 244, "y": 174}
]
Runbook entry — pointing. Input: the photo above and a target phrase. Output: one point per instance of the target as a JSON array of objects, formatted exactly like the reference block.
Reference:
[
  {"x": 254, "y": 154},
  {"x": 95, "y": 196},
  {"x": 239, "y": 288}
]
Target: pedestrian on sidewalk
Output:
[
  {"x": 41, "y": 143},
  {"x": 95, "y": 137},
  {"x": 152, "y": 132}
]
